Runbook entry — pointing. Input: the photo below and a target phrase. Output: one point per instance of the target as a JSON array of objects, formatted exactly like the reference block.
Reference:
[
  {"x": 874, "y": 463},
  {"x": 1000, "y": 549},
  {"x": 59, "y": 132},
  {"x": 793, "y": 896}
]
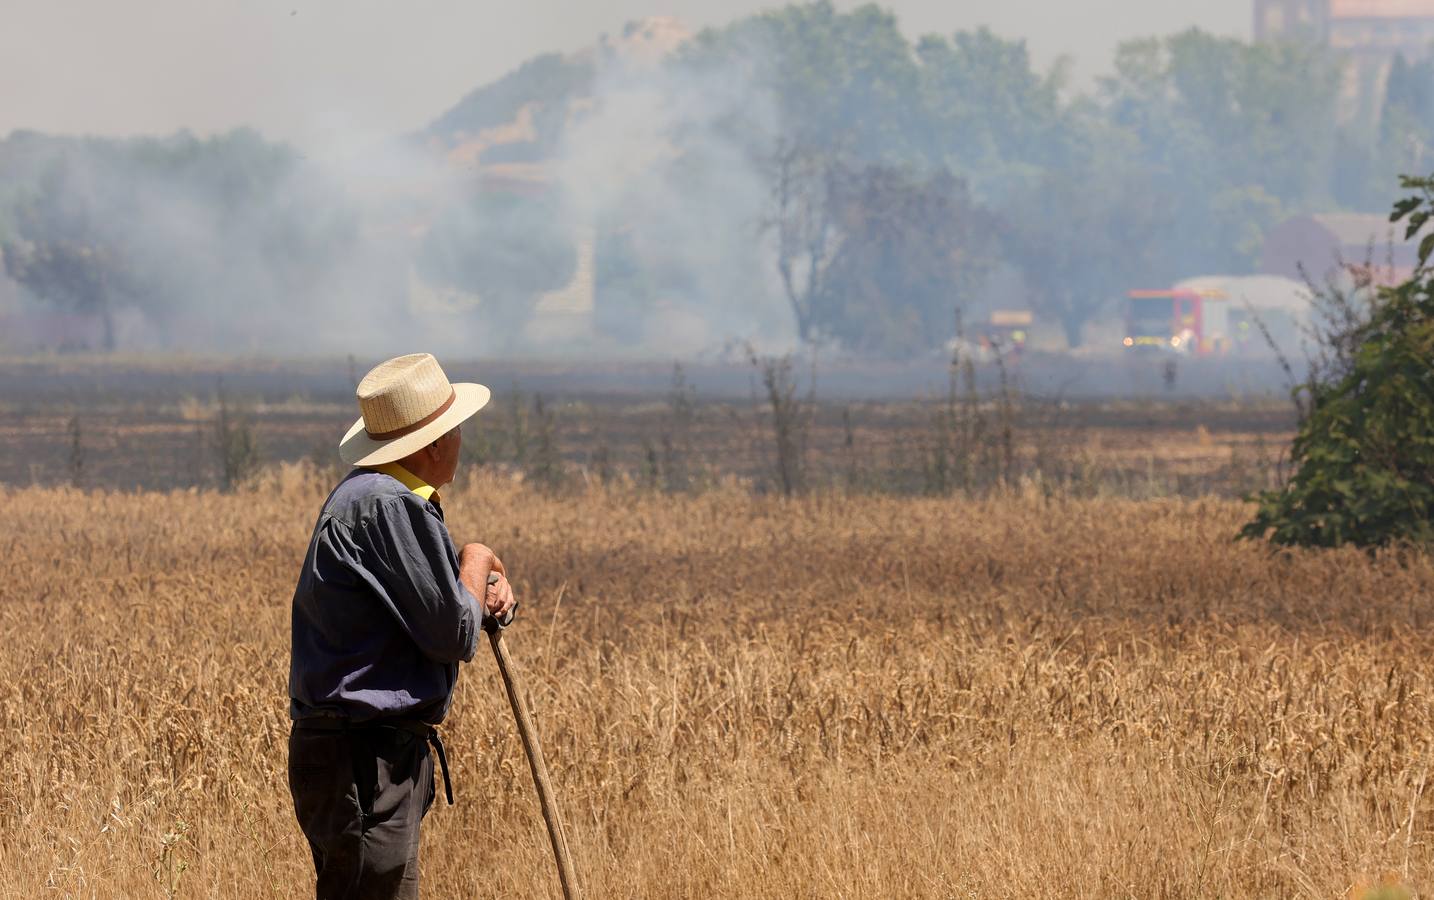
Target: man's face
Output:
[{"x": 448, "y": 448}]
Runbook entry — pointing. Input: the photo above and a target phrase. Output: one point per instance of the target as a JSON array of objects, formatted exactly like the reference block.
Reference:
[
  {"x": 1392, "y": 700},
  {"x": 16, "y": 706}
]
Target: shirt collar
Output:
[{"x": 410, "y": 481}]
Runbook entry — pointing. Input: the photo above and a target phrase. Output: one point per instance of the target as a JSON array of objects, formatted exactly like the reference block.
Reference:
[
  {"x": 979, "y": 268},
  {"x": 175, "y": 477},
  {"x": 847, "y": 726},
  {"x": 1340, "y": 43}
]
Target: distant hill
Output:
[{"x": 519, "y": 119}]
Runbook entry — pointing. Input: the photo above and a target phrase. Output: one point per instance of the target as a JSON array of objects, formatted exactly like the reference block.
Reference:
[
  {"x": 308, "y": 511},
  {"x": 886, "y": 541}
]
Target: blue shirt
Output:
[{"x": 380, "y": 619}]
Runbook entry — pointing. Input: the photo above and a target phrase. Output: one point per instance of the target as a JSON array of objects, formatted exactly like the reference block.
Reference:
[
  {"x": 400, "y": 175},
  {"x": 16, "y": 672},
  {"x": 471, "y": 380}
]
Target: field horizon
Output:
[{"x": 152, "y": 423}]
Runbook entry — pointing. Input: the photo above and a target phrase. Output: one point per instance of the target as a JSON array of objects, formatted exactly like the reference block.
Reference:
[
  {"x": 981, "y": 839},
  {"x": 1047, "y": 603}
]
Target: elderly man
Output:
[{"x": 385, "y": 609}]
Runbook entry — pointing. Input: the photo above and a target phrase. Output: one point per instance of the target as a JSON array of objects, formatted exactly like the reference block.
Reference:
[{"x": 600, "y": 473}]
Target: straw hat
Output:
[{"x": 406, "y": 403}]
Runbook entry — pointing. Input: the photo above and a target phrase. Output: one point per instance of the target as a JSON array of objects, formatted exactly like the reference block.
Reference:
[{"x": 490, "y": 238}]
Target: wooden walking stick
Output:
[{"x": 529, "y": 733}]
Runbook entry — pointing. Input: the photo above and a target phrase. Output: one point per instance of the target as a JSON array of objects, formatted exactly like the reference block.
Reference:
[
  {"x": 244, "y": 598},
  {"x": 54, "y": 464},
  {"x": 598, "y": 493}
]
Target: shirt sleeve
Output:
[{"x": 413, "y": 559}]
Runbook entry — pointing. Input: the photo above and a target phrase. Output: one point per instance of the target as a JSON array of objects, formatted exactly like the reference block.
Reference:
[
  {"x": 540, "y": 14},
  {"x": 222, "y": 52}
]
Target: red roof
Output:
[{"x": 1381, "y": 9}]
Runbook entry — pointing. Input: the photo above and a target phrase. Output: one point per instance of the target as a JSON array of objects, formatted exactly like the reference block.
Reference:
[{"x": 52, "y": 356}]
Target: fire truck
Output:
[
  {"x": 1188, "y": 321},
  {"x": 1007, "y": 331}
]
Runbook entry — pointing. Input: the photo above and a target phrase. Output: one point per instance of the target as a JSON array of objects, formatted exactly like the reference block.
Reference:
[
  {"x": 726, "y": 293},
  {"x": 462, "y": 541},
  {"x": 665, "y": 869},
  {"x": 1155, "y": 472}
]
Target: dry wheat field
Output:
[{"x": 745, "y": 696}]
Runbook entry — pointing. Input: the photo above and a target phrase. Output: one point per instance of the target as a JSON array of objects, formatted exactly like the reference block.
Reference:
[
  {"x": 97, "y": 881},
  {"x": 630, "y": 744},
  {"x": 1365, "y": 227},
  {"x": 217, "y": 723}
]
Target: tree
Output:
[
  {"x": 804, "y": 220},
  {"x": 1083, "y": 235},
  {"x": 1231, "y": 137},
  {"x": 912, "y": 249},
  {"x": 844, "y": 82},
  {"x": 505, "y": 247},
  {"x": 1407, "y": 120},
  {"x": 1366, "y": 157},
  {"x": 985, "y": 112},
  {"x": 1214, "y": 113},
  {"x": 624, "y": 287},
  {"x": 184, "y": 231},
  {"x": 875, "y": 257},
  {"x": 63, "y": 254},
  {"x": 1363, "y": 454}
]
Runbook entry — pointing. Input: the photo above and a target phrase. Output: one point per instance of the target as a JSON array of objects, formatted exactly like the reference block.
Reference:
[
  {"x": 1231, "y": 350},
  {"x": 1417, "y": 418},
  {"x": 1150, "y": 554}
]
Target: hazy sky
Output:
[{"x": 320, "y": 73}]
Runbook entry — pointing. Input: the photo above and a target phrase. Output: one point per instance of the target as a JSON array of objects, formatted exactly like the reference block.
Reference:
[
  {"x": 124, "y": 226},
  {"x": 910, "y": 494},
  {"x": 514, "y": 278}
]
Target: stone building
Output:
[
  {"x": 1368, "y": 33},
  {"x": 1285, "y": 20}
]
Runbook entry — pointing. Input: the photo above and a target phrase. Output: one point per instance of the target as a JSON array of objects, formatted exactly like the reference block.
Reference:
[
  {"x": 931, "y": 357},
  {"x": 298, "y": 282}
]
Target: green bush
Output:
[{"x": 1363, "y": 456}]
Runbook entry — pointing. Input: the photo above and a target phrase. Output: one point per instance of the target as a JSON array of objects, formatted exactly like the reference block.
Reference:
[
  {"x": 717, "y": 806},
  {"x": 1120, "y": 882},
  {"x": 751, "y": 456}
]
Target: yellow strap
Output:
[{"x": 409, "y": 480}]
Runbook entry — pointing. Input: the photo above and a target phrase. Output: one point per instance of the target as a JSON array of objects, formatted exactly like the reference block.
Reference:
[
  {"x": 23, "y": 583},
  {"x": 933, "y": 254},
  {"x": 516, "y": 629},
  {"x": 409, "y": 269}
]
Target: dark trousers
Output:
[{"x": 360, "y": 795}]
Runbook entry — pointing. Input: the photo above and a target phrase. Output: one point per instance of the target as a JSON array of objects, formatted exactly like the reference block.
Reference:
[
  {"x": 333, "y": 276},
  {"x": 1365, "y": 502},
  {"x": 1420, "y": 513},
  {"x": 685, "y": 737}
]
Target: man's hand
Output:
[
  {"x": 475, "y": 561},
  {"x": 500, "y": 599}
]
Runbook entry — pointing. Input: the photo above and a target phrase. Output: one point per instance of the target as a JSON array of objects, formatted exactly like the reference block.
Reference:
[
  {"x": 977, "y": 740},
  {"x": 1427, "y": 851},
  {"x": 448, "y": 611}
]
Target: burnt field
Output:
[{"x": 147, "y": 424}]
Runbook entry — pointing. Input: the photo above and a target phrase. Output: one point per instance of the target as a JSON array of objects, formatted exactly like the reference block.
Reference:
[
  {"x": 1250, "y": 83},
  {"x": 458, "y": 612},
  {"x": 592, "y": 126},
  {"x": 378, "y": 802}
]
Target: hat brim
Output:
[{"x": 358, "y": 449}]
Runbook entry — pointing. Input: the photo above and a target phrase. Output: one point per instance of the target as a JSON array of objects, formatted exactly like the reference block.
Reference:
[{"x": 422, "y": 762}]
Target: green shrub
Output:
[{"x": 1363, "y": 456}]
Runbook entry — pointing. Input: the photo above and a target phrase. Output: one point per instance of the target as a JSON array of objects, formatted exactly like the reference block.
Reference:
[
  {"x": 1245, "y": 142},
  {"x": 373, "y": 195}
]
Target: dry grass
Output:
[{"x": 745, "y": 697}]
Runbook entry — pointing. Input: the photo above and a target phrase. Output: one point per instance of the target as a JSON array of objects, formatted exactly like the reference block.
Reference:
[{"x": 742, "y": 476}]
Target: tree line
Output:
[
  {"x": 903, "y": 174},
  {"x": 895, "y": 180}
]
